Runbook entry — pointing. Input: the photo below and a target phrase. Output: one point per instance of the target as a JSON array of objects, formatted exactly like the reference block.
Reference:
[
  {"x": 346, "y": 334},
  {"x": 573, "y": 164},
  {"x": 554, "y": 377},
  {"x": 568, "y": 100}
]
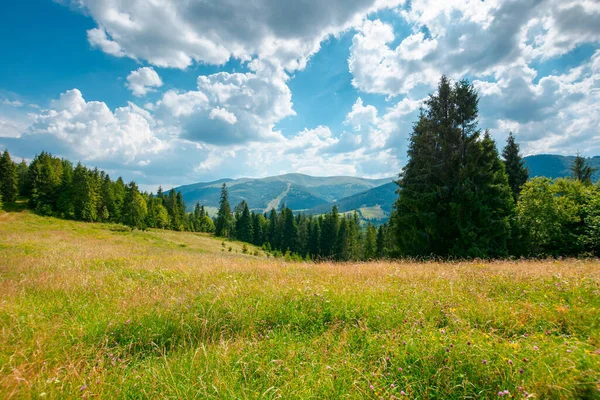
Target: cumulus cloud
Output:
[
  {"x": 169, "y": 33},
  {"x": 143, "y": 81},
  {"x": 559, "y": 114},
  {"x": 231, "y": 108},
  {"x": 93, "y": 132},
  {"x": 467, "y": 38}
]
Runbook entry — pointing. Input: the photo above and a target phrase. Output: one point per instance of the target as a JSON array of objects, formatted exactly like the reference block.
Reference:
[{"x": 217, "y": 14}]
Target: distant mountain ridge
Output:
[
  {"x": 555, "y": 166},
  {"x": 373, "y": 199},
  {"x": 297, "y": 191}
]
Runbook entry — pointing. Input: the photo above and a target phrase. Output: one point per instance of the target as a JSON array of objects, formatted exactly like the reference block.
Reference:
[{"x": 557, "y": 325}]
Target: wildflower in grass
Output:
[
  {"x": 510, "y": 362},
  {"x": 506, "y": 392},
  {"x": 81, "y": 389},
  {"x": 484, "y": 362},
  {"x": 399, "y": 369},
  {"x": 500, "y": 393},
  {"x": 372, "y": 387},
  {"x": 535, "y": 348},
  {"x": 443, "y": 331},
  {"x": 468, "y": 343},
  {"x": 392, "y": 386},
  {"x": 402, "y": 392}
]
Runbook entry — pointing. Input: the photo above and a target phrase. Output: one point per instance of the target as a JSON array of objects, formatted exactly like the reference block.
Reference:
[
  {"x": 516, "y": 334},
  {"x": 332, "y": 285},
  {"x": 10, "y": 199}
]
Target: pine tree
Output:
[
  {"x": 118, "y": 192},
  {"x": 483, "y": 205},
  {"x": 65, "y": 202},
  {"x": 329, "y": 233},
  {"x": 244, "y": 228},
  {"x": 43, "y": 183},
  {"x": 134, "y": 208},
  {"x": 370, "y": 249},
  {"x": 446, "y": 205},
  {"x": 515, "y": 166},
  {"x": 581, "y": 170},
  {"x": 223, "y": 223},
  {"x": 289, "y": 233},
  {"x": 22, "y": 174},
  {"x": 257, "y": 229},
  {"x": 274, "y": 233},
  {"x": 85, "y": 194},
  {"x": 181, "y": 212},
  {"x": 9, "y": 178},
  {"x": 314, "y": 239},
  {"x": 380, "y": 251}
]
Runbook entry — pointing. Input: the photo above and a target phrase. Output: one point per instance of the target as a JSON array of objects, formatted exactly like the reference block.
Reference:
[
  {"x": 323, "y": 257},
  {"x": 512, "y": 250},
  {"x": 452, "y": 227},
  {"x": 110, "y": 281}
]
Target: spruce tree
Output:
[
  {"x": 135, "y": 208},
  {"x": 116, "y": 211},
  {"x": 85, "y": 194},
  {"x": 257, "y": 229},
  {"x": 181, "y": 212},
  {"x": 244, "y": 228},
  {"x": 380, "y": 251},
  {"x": 22, "y": 174},
  {"x": 370, "y": 248},
  {"x": 65, "y": 203},
  {"x": 314, "y": 239},
  {"x": 581, "y": 170},
  {"x": 329, "y": 233},
  {"x": 223, "y": 223},
  {"x": 9, "y": 178},
  {"x": 273, "y": 236},
  {"x": 446, "y": 205},
  {"x": 515, "y": 166},
  {"x": 289, "y": 232}
]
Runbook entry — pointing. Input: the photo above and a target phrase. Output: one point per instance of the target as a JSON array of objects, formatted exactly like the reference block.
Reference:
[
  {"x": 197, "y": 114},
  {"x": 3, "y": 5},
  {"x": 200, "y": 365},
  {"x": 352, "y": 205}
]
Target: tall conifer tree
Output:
[{"x": 515, "y": 166}]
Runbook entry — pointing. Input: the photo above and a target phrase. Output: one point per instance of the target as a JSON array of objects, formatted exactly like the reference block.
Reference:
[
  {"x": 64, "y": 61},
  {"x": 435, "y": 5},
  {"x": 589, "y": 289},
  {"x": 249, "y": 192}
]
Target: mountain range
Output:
[{"x": 371, "y": 198}]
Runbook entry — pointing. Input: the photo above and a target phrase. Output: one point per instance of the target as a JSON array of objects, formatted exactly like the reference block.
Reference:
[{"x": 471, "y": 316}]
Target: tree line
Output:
[
  {"x": 330, "y": 236},
  {"x": 458, "y": 197},
  {"x": 54, "y": 187}
]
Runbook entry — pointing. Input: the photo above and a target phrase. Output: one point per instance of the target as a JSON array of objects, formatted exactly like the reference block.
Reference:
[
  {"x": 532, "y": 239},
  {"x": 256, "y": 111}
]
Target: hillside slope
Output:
[
  {"x": 555, "y": 166},
  {"x": 297, "y": 191}
]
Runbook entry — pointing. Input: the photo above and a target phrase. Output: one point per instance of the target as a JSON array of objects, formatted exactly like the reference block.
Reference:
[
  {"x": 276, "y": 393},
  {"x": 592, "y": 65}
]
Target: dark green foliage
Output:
[
  {"x": 9, "y": 178},
  {"x": 454, "y": 195},
  {"x": 289, "y": 232},
  {"x": 329, "y": 233},
  {"x": 515, "y": 166},
  {"x": 380, "y": 244},
  {"x": 370, "y": 250},
  {"x": 22, "y": 169},
  {"x": 224, "y": 222},
  {"x": 56, "y": 188},
  {"x": 244, "y": 229},
  {"x": 135, "y": 209},
  {"x": 581, "y": 170}
]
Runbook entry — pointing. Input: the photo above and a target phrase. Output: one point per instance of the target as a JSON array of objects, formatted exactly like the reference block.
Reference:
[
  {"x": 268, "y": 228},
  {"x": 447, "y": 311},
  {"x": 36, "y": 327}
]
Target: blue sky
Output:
[{"x": 169, "y": 93}]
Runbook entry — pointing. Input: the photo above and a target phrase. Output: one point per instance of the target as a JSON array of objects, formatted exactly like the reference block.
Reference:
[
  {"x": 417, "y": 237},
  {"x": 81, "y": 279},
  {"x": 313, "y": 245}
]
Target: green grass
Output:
[
  {"x": 91, "y": 310},
  {"x": 374, "y": 212}
]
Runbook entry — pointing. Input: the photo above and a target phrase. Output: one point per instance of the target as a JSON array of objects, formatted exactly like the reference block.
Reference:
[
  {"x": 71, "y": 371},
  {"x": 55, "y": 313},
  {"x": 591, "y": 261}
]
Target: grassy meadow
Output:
[{"x": 97, "y": 311}]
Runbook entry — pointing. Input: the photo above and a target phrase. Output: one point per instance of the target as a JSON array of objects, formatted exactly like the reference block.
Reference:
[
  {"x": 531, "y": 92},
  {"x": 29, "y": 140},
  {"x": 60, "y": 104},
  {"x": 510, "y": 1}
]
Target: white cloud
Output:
[
  {"x": 170, "y": 33},
  {"x": 14, "y": 103},
  {"x": 467, "y": 38},
  {"x": 143, "y": 81},
  {"x": 231, "y": 108},
  {"x": 559, "y": 114},
  {"x": 93, "y": 132}
]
